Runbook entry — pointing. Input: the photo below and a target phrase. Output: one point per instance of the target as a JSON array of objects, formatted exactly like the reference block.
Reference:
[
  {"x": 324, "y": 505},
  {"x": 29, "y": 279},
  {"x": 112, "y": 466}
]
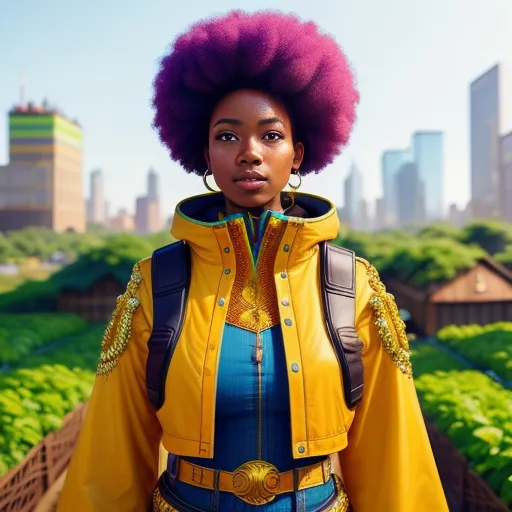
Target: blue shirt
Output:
[{"x": 242, "y": 432}]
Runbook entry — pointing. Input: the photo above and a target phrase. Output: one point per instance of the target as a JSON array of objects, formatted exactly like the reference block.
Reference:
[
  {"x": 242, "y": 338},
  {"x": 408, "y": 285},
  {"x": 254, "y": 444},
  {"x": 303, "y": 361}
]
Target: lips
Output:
[
  {"x": 249, "y": 176},
  {"x": 250, "y": 180}
]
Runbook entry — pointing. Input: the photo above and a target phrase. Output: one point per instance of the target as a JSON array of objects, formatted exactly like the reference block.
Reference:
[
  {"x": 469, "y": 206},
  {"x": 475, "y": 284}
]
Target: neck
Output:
[{"x": 274, "y": 205}]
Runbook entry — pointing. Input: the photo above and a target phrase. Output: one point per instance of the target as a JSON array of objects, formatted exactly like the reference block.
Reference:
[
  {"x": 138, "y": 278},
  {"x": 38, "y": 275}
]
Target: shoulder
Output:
[
  {"x": 138, "y": 285},
  {"x": 378, "y": 318},
  {"x": 132, "y": 314},
  {"x": 368, "y": 282}
]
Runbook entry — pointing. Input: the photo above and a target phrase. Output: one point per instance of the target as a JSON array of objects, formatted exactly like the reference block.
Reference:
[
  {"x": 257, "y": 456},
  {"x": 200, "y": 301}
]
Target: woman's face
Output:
[{"x": 250, "y": 150}]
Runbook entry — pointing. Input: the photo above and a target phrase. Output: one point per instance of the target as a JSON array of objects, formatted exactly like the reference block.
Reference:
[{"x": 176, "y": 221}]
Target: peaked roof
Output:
[{"x": 407, "y": 282}]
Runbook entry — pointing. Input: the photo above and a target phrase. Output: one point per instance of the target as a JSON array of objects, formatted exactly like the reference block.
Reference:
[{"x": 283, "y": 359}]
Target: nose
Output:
[{"x": 250, "y": 154}]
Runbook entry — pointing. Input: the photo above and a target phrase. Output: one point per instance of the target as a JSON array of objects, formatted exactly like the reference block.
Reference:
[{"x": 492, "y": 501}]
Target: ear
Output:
[
  {"x": 207, "y": 158},
  {"x": 298, "y": 155}
]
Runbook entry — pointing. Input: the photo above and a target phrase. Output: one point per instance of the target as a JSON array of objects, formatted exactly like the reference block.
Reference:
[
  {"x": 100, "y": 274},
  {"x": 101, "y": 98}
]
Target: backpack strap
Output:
[
  {"x": 338, "y": 293},
  {"x": 170, "y": 275}
]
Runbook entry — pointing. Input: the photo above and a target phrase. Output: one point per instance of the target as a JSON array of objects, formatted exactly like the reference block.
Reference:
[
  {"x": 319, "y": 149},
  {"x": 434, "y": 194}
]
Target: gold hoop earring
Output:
[
  {"x": 205, "y": 180},
  {"x": 296, "y": 172}
]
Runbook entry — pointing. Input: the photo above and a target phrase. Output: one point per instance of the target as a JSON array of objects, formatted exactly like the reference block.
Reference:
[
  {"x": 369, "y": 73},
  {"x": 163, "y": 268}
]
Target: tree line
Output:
[{"x": 433, "y": 253}]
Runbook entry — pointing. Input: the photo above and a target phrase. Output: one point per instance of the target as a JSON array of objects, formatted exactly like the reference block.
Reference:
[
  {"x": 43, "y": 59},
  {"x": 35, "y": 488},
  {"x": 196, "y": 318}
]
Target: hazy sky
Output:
[{"x": 414, "y": 60}]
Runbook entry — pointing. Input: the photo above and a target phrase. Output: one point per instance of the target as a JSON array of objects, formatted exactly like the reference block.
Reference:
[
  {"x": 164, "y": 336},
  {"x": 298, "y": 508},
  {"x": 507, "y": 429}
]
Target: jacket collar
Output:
[{"x": 196, "y": 221}]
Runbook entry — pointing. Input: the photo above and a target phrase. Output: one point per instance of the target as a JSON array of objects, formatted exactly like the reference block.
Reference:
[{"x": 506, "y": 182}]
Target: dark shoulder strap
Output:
[
  {"x": 338, "y": 293},
  {"x": 170, "y": 274}
]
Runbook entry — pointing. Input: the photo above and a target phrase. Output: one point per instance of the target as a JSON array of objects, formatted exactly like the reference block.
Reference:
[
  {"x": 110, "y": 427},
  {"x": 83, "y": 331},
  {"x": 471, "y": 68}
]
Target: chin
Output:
[{"x": 251, "y": 200}]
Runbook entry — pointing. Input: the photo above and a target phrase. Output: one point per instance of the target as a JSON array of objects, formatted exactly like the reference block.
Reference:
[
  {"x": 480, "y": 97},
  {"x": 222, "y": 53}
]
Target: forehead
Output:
[{"x": 248, "y": 105}]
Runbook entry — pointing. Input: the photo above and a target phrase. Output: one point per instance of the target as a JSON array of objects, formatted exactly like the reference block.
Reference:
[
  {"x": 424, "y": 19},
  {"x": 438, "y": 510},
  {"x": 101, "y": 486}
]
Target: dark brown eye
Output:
[
  {"x": 273, "y": 136},
  {"x": 226, "y": 136}
]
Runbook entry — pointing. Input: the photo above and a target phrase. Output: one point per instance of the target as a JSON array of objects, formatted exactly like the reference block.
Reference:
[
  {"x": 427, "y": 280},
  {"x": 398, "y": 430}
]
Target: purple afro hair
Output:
[{"x": 277, "y": 53}]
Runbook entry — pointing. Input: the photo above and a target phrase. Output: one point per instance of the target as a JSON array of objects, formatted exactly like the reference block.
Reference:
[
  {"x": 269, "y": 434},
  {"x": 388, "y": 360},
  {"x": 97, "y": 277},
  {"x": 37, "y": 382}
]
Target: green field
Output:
[
  {"x": 39, "y": 391},
  {"x": 485, "y": 346},
  {"x": 472, "y": 410}
]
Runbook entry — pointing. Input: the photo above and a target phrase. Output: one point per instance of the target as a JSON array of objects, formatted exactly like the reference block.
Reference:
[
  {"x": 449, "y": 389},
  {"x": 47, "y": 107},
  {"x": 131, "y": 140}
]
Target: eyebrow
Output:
[
  {"x": 271, "y": 120},
  {"x": 237, "y": 122}
]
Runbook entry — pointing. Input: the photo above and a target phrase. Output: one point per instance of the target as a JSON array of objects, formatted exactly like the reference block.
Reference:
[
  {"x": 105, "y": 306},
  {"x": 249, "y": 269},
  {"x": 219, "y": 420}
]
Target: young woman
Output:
[{"x": 254, "y": 412}]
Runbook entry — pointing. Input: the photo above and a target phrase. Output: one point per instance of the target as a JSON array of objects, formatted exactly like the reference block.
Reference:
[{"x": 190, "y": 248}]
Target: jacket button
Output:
[
  {"x": 283, "y": 275},
  {"x": 285, "y": 302},
  {"x": 286, "y": 248},
  {"x": 295, "y": 367},
  {"x": 226, "y": 250},
  {"x": 301, "y": 449},
  {"x": 287, "y": 322},
  {"x": 222, "y": 301},
  {"x": 227, "y": 271}
]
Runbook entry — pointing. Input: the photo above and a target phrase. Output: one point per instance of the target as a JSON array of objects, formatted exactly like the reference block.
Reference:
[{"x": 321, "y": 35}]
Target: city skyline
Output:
[
  {"x": 105, "y": 81},
  {"x": 412, "y": 177}
]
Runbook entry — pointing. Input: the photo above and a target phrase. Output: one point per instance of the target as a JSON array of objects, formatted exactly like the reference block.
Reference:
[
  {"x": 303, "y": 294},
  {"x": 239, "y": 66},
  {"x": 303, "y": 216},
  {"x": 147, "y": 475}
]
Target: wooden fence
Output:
[{"x": 22, "y": 487}]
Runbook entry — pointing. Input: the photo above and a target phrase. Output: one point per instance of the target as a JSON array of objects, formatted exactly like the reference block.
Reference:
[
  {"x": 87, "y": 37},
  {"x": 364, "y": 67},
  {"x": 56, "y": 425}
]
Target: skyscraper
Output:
[
  {"x": 490, "y": 115},
  {"x": 42, "y": 184},
  {"x": 97, "y": 206},
  {"x": 147, "y": 210},
  {"x": 427, "y": 152},
  {"x": 141, "y": 215},
  {"x": 506, "y": 176},
  {"x": 392, "y": 161},
  {"x": 354, "y": 209},
  {"x": 410, "y": 195},
  {"x": 153, "y": 189}
]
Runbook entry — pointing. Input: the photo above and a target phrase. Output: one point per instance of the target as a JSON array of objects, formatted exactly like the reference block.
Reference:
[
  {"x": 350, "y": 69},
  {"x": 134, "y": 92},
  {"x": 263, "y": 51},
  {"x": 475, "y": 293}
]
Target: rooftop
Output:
[{"x": 31, "y": 108}]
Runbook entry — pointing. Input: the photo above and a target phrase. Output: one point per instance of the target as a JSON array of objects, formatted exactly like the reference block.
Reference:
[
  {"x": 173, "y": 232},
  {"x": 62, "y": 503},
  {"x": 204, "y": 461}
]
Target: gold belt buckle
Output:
[{"x": 256, "y": 482}]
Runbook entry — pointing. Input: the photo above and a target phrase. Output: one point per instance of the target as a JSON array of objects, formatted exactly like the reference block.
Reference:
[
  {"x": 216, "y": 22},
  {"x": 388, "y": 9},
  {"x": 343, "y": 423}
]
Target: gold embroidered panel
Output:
[
  {"x": 118, "y": 331},
  {"x": 253, "y": 304},
  {"x": 390, "y": 326}
]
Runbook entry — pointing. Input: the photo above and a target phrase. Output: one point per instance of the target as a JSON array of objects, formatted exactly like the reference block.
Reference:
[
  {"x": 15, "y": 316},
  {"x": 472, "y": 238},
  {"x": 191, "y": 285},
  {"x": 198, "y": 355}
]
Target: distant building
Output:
[
  {"x": 391, "y": 162},
  {"x": 456, "y": 216},
  {"x": 354, "y": 208},
  {"x": 153, "y": 187},
  {"x": 123, "y": 222},
  {"x": 380, "y": 214},
  {"x": 97, "y": 200},
  {"x": 421, "y": 167},
  {"x": 141, "y": 215},
  {"x": 148, "y": 217},
  {"x": 506, "y": 176},
  {"x": 42, "y": 184},
  {"x": 490, "y": 115},
  {"x": 410, "y": 195},
  {"x": 428, "y": 155}
]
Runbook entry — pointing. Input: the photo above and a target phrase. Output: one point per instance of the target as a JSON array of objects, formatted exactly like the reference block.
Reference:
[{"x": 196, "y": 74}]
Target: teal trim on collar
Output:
[{"x": 204, "y": 205}]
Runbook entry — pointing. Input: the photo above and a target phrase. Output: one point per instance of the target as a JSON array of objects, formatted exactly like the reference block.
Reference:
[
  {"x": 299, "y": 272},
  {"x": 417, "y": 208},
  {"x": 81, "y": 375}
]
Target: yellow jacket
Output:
[{"x": 384, "y": 452}]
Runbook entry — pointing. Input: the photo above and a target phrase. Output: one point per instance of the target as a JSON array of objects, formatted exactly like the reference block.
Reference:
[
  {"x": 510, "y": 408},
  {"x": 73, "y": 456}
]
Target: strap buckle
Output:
[{"x": 256, "y": 482}]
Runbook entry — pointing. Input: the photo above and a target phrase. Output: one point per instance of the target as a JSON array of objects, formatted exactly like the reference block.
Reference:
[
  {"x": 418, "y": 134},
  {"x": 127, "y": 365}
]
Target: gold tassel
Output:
[
  {"x": 390, "y": 326},
  {"x": 118, "y": 332}
]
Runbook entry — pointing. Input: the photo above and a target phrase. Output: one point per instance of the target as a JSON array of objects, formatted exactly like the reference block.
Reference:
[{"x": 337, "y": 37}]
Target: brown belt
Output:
[{"x": 256, "y": 482}]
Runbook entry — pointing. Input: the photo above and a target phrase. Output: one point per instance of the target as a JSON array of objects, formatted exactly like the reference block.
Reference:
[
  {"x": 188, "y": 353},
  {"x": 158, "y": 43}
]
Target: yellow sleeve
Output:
[
  {"x": 388, "y": 464},
  {"x": 115, "y": 463}
]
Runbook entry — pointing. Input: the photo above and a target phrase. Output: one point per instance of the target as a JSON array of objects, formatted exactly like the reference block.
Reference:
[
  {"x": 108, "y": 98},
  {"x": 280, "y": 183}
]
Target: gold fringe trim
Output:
[
  {"x": 342, "y": 503},
  {"x": 159, "y": 503},
  {"x": 118, "y": 332},
  {"x": 390, "y": 326}
]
